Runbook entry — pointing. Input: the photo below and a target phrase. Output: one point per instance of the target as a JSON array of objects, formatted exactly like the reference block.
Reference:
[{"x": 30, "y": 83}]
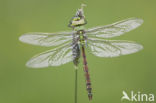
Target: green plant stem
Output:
[{"x": 76, "y": 72}]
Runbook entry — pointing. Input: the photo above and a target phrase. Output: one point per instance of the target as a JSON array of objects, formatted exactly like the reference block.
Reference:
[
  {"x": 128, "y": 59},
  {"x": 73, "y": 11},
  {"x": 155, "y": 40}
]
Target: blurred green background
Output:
[{"x": 109, "y": 76}]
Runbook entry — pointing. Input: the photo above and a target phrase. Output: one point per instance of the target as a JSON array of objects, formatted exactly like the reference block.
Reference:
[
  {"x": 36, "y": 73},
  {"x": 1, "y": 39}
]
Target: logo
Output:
[{"x": 137, "y": 96}]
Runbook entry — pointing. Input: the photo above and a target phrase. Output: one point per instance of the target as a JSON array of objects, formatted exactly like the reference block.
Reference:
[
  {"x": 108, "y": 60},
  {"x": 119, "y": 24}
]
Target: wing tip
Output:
[
  {"x": 29, "y": 65},
  {"x": 139, "y": 20},
  {"x": 21, "y": 38},
  {"x": 141, "y": 47},
  {"x": 34, "y": 66}
]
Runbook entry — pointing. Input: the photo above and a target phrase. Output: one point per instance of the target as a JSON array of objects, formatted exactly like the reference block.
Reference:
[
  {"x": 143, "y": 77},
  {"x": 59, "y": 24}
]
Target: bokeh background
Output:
[{"x": 110, "y": 76}]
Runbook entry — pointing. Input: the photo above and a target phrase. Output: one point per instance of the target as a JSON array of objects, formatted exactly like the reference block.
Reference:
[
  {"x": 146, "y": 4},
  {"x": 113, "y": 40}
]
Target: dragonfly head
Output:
[{"x": 79, "y": 18}]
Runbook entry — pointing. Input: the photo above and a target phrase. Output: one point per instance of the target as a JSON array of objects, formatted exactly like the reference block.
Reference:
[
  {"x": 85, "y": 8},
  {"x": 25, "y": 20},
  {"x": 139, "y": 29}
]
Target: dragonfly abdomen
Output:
[
  {"x": 88, "y": 82},
  {"x": 76, "y": 54}
]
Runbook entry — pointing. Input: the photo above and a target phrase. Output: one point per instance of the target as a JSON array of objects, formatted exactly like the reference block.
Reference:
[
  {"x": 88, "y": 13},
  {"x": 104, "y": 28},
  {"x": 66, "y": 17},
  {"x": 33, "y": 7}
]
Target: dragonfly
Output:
[{"x": 70, "y": 46}]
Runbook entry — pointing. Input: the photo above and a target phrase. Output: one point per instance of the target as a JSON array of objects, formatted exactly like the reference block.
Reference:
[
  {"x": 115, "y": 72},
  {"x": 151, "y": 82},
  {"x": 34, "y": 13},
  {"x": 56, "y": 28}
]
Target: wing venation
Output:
[
  {"x": 113, "y": 48},
  {"x": 115, "y": 29},
  {"x": 54, "y": 57},
  {"x": 46, "y": 39}
]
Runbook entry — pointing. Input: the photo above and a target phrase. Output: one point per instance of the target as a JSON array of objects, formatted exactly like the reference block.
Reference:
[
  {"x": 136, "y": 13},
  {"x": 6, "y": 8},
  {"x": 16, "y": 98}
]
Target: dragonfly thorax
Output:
[
  {"x": 82, "y": 37},
  {"x": 80, "y": 32}
]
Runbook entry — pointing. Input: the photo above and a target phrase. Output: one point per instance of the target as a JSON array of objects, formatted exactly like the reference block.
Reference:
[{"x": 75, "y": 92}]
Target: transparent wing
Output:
[
  {"x": 46, "y": 39},
  {"x": 115, "y": 29},
  {"x": 54, "y": 57},
  {"x": 112, "y": 48}
]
